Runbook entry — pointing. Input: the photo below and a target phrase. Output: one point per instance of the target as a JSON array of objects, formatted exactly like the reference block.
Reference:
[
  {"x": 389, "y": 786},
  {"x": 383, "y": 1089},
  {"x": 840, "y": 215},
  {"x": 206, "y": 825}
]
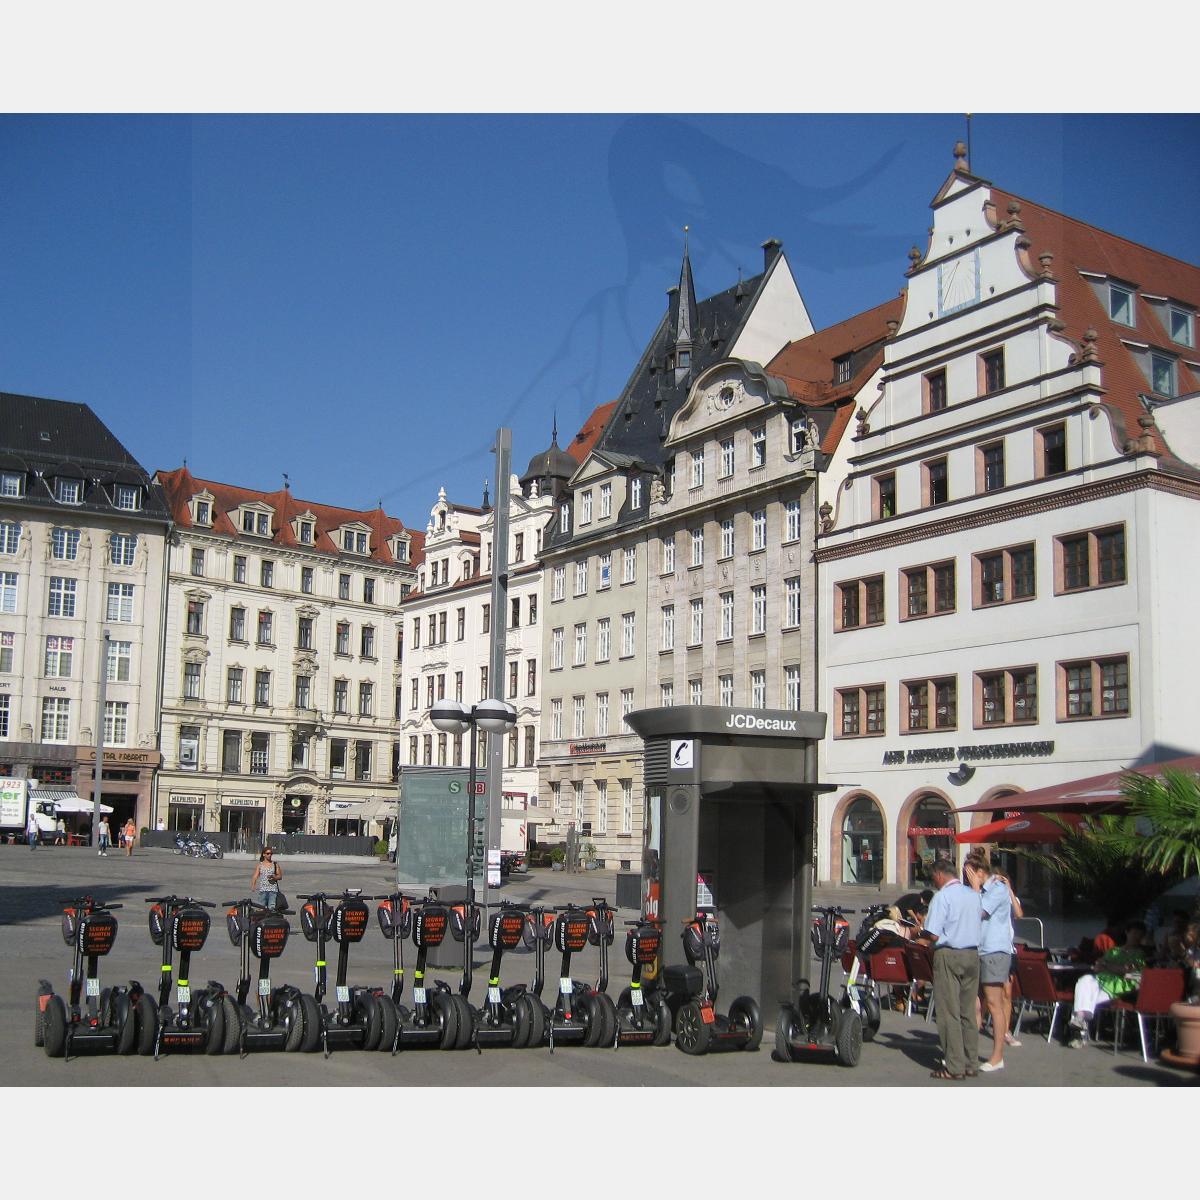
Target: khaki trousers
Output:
[{"x": 955, "y": 986}]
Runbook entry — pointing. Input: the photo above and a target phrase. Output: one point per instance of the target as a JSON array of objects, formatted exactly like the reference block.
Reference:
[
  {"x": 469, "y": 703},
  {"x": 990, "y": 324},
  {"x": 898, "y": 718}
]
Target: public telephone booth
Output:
[{"x": 730, "y": 813}]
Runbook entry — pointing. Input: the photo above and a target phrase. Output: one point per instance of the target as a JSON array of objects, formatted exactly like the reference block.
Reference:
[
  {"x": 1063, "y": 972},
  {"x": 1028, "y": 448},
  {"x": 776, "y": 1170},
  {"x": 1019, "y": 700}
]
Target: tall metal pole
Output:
[
  {"x": 98, "y": 784},
  {"x": 495, "y": 764},
  {"x": 468, "y": 956}
]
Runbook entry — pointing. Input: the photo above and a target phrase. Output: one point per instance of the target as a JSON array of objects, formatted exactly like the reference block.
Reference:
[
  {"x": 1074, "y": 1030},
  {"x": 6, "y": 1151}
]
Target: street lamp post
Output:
[{"x": 492, "y": 716}]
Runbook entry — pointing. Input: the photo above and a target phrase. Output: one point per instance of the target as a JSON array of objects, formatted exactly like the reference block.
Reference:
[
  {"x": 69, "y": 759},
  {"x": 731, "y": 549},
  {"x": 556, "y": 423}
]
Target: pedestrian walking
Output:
[
  {"x": 105, "y": 837},
  {"x": 953, "y": 925},
  {"x": 264, "y": 883},
  {"x": 128, "y": 834},
  {"x": 31, "y": 829}
]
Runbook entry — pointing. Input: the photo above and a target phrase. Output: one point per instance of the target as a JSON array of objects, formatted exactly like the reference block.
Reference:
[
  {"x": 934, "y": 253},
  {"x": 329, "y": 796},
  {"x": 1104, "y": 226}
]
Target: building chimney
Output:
[{"x": 771, "y": 248}]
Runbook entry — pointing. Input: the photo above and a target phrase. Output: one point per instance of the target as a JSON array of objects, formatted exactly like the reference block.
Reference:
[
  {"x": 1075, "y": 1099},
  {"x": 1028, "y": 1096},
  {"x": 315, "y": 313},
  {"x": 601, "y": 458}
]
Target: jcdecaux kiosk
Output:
[{"x": 730, "y": 813}]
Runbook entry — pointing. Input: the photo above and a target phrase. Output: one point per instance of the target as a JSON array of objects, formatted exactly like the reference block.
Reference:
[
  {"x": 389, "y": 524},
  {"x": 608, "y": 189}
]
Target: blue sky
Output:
[{"x": 361, "y": 301}]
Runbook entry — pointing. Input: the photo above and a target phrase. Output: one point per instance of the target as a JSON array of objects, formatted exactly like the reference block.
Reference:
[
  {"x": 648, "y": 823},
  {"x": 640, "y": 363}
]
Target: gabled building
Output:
[
  {"x": 1005, "y": 583},
  {"x": 282, "y": 660},
  {"x": 602, "y": 557},
  {"x": 82, "y": 537}
]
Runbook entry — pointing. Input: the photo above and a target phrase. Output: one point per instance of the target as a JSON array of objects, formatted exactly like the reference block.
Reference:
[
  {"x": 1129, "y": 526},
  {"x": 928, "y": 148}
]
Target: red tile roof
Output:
[
  {"x": 1078, "y": 247},
  {"x": 581, "y": 445},
  {"x": 181, "y": 485}
]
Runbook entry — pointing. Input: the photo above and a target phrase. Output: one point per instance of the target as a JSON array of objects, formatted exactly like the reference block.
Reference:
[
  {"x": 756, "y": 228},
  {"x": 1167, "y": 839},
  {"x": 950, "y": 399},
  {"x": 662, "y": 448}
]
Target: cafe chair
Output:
[
  {"x": 920, "y": 970},
  {"x": 1160, "y": 988},
  {"x": 1038, "y": 991},
  {"x": 890, "y": 967}
]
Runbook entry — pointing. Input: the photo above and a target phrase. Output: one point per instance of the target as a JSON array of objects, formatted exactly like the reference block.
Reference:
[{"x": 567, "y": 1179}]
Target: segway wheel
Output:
[
  {"x": 785, "y": 1030},
  {"x": 39, "y": 1023},
  {"x": 289, "y": 1012},
  {"x": 522, "y": 1023},
  {"x": 146, "y": 1017},
  {"x": 231, "y": 1016},
  {"x": 210, "y": 1011},
  {"x": 368, "y": 1012},
  {"x": 848, "y": 1040},
  {"x": 310, "y": 1021},
  {"x": 388, "y": 1024},
  {"x": 126, "y": 1023},
  {"x": 466, "y": 1023},
  {"x": 660, "y": 1012},
  {"x": 870, "y": 1016},
  {"x": 537, "y": 1020},
  {"x": 54, "y": 1028},
  {"x": 692, "y": 1035},
  {"x": 445, "y": 1013},
  {"x": 744, "y": 1012},
  {"x": 609, "y": 1022},
  {"x": 587, "y": 1009}
]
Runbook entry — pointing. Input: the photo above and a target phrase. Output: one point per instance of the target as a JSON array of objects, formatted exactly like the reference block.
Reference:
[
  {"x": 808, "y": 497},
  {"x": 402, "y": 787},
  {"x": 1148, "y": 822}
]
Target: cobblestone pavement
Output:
[{"x": 31, "y": 946}]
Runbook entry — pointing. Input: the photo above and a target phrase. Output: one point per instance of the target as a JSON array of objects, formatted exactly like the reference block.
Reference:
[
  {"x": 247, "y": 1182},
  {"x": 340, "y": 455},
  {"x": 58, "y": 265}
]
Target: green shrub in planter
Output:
[
  {"x": 558, "y": 854},
  {"x": 381, "y": 847}
]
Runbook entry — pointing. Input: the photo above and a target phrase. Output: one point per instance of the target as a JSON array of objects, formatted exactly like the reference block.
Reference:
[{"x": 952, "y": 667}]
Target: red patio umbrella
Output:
[{"x": 1019, "y": 829}]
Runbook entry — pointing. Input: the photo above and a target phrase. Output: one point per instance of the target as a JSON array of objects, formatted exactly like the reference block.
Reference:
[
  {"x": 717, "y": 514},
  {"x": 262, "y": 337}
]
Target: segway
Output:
[
  {"x": 877, "y": 932},
  {"x": 204, "y": 1022},
  {"x": 692, "y": 996},
  {"x": 643, "y": 1017},
  {"x": 362, "y": 1018},
  {"x": 108, "y": 1022},
  {"x": 277, "y": 1021},
  {"x": 531, "y": 1014},
  {"x": 504, "y": 1019},
  {"x": 582, "y": 1016},
  {"x": 437, "y": 1021},
  {"x": 816, "y": 1023}
]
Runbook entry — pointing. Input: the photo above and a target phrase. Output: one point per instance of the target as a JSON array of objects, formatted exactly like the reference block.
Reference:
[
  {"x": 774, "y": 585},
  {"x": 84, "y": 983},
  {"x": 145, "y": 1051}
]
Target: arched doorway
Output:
[
  {"x": 930, "y": 834},
  {"x": 862, "y": 842}
]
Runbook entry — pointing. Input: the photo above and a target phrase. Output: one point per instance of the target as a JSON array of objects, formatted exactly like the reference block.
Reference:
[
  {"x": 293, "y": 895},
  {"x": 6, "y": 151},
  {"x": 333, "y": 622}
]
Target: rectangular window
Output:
[
  {"x": 581, "y": 577},
  {"x": 934, "y": 387},
  {"x": 366, "y": 699},
  {"x": 260, "y": 753},
  {"x": 580, "y": 644},
  {"x": 530, "y": 746},
  {"x": 191, "y": 681},
  {"x": 935, "y": 482},
  {"x": 861, "y": 711},
  {"x": 585, "y": 508},
  {"x": 61, "y": 602},
  {"x": 343, "y": 586},
  {"x": 7, "y": 648},
  {"x": 697, "y": 540},
  {"x": 341, "y": 695},
  {"x": 626, "y": 805},
  {"x": 697, "y": 626},
  {"x": 533, "y": 606},
  {"x": 758, "y": 689},
  {"x": 64, "y": 544},
  {"x": 758, "y": 608},
  {"x": 231, "y": 751},
  {"x": 1182, "y": 327},
  {"x": 306, "y": 580},
  {"x": 606, "y": 500},
  {"x": 195, "y": 617},
  {"x": 367, "y": 642},
  {"x": 266, "y": 622},
  {"x": 1120, "y": 304},
  {"x": 120, "y": 659},
  {"x": 919, "y": 692},
  {"x": 530, "y": 676},
  {"x": 666, "y": 639},
  {"x": 792, "y": 509},
  {"x": 629, "y": 564},
  {"x": 695, "y": 691},
  {"x": 483, "y": 683},
  {"x": 603, "y": 626},
  {"x": 666, "y": 694},
  {"x": 341, "y": 643},
  {"x": 1092, "y": 559},
  {"x": 726, "y": 616},
  {"x": 556, "y": 649},
  {"x": 556, "y": 719},
  {"x": 725, "y": 690},
  {"x": 239, "y": 568},
  {"x": 68, "y": 491},
  {"x": 1080, "y": 682},
  {"x": 514, "y": 672},
  {"x": 558, "y": 579},
  {"x": 59, "y": 653},
  {"x": 991, "y": 367},
  {"x": 726, "y": 458},
  {"x": 304, "y": 633},
  {"x": 697, "y": 468},
  {"x": 758, "y": 447},
  {"x": 10, "y": 537},
  {"x": 858, "y": 599},
  {"x": 56, "y": 719},
  {"x": 1006, "y": 697},
  {"x": 120, "y": 602},
  {"x": 1162, "y": 375},
  {"x": 937, "y": 580},
  {"x": 12, "y": 484},
  {"x": 197, "y": 562},
  {"x": 262, "y": 687},
  {"x": 727, "y": 542},
  {"x": 1052, "y": 445},
  {"x": 791, "y": 595},
  {"x": 626, "y": 702},
  {"x": 628, "y": 634},
  {"x": 233, "y": 685},
  {"x": 579, "y": 713},
  {"x": 126, "y": 497},
  {"x": 601, "y": 714},
  {"x": 1003, "y": 576},
  {"x": 267, "y": 573},
  {"x": 884, "y": 495},
  {"x": 339, "y": 750},
  {"x": 303, "y": 691},
  {"x": 791, "y": 687},
  {"x": 758, "y": 530},
  {"x": 237, "y": 624},
  {"x": 668, "y": 555},
  {"x": 368, "y": 590},
  {"x": 990, "y": 467},
  {"x": 5, "y": 711},
  {"x": 605, "y": 579}
]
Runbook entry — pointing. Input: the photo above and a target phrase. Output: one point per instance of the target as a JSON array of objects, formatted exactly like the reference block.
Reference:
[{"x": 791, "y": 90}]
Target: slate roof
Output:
[
  {"x": 47, "y": 438},
  {"x": 181, "y": 485}
]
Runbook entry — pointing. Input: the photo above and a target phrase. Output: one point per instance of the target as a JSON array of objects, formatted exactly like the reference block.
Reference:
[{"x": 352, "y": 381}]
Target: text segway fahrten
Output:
[
  {"x": 276, "y": 1022},
  {"x": 699, "y": 1028},
  {"x": 109, "y": 1024},
  {"x": 439, "y": 1018},
  {"x": 582, "y": 1016},
  {"x": 362, "y": 1017},
  {"x": 205, "y": 1021},
  {"x": 816, "y": 1023}
]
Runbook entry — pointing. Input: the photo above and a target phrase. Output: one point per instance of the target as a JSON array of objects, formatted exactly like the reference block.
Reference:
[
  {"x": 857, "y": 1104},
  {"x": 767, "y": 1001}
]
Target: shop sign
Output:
[
  {"x": 186, "y": 798},
  {"x": 945, "y": 754},
  {"x": 238, "y": 802},
  {"x": 928, "y": 831},
  {"x": 145, "y": 758},
  {"x": 587, "y": 748}
]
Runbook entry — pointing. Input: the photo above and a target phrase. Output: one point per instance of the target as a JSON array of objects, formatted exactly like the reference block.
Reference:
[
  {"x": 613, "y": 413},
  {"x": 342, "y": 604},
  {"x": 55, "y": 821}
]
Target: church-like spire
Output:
[{"x": 685, "y": 322}]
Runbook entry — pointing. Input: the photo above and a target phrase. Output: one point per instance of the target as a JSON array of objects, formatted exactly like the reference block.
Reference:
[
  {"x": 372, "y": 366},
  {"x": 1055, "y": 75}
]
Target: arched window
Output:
[
  {"x": 862, "y": 842},
  {"x": 930, "y": 835}
]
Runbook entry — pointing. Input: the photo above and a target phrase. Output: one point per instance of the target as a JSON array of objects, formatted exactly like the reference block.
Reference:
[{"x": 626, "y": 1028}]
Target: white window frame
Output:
[
  {"x": 696, "y": 621},
  {"x": 116, "y": 722},
  {"x": 66, "y": 541},
  {"x": 668, "y": 555},
  {"x": 758, "y": 529},
  {"x": 120, "y": 661},
  {"x": 122, "y": 549},
  {"x": 697, "y": 539},
  {"x": 580, "y": 644},
  {"x": 727, "y": 458},
  {"x": 601, "y": 714},
  {"x": 605, "y": 579},
  {"x": 603, "y": 630},
  {"x": 605, "y": 500},
  {"x": 792, "y": 595},
  {"x": 629, "y": 564},
  {"x": 10, "y": 537},
  {"x": 793, "y": 520},
  {"x": 666, "y": 694},
  {"x": 628, "y": 635},
  {"x": 725, "y": 686},
  {"x": 558, "y": 580},
  {"x": 585, "y": 507},
  {"x": 697, "y": 470},
  {"x": 1189, "y": 325},
  {"x": 56, "y": 719},
  {"x": 579, "y": 716},
  {"x": 12, "y": 485},
  {"x": 791, "y": 687},
  {"x": 1117, "y": 293},
  {"x": 667, "y": 628},
  {"x": 59, "y": 657},
  {"x": 68, "y": 491},
  {"x": 8, "y": 591},
  {"x": 758, "y": 447},
  {"x": 127, "y": 497},
  {"x": 122, "y": 610},
  {"x": 727, "y": 539},
  {"x": 60, "y": 600},
  {"x": 695, "y": 691},
  {"x": 758, "y": 689},
  {"x": 758, "y": 608},
  {"x": 556, "y": 720},
  {"x": 626, "y": 805},
  {"x": 601, "y": 807},
  {"x": 726, "y": 616},
  {"x": 557, "y": 643},
  {"x": 581, "y": 577}
]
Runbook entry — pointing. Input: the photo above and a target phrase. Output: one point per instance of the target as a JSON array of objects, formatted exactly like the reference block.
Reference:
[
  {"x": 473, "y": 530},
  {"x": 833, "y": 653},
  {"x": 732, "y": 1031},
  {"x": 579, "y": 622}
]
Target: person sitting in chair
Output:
[{"x": 1109, "y": 981}]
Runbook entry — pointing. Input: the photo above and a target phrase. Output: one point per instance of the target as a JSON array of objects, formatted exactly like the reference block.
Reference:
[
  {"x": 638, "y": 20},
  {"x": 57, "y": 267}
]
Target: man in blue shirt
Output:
[{"x": 953, "y": 924}]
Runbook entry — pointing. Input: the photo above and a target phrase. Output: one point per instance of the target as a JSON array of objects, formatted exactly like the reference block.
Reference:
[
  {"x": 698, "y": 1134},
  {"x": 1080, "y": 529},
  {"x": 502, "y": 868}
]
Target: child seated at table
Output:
[{"x": 1110, "y": 981}]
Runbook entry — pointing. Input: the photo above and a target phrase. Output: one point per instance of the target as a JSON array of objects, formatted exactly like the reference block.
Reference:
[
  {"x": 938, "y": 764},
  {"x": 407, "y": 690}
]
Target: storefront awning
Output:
[
  {"x": 1097, "y": 792},
  {"x": 1032, "y": 829},
  {"x": 65, "y": 799}
]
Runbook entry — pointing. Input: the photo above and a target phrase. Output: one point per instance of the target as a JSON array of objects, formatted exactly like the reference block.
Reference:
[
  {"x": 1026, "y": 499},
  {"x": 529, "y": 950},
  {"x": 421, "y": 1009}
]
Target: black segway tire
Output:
[
  {"x": 208, "y": 1012},
  {"x": 537, "y": 1020},
  {"x": 608, "y": 1012},
  {"x": 388, "y": 1023},
  {"x": 231, "y": 1016},
  {"x": 125, "y": 1022},
  {"x": 870, "y": 1016},
  {"x": 587, "y": 1011},
  {"x": 522, "y": 1023},
  {"x": 744, "y": 1011},
  {"x": 659, "y": 1011},
  {"x": 692, "y": 1035},
  {"x": 466, "y": 1023},
  {"x": 445, "y": 1013},
  {"x": 289, "y": 1012},
  {"x": 848, "y": 1040},
  {"x": 146, "y": 1017},
  {"x": 104, "y": 1008},
  {"x": 54, "y": 1028},
  {"x": 39, "y": 1023},
  {"x": 784, "y": 1031},
  {"x": 310, "y": 1019},
  {"x": 367, "y": 1010}
]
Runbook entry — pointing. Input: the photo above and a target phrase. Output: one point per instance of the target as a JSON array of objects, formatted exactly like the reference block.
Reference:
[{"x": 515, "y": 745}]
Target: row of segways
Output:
[{"x": 211, "y": 1020}]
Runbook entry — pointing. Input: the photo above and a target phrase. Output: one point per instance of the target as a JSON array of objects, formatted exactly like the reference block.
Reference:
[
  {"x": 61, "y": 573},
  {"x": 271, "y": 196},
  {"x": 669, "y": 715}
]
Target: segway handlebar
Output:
[
  {"x": 834, "y": 908},
  {"x": 88, "y": 902},
  {"x": 180, "y": 900},
  {"x": 348, "y": 894}
]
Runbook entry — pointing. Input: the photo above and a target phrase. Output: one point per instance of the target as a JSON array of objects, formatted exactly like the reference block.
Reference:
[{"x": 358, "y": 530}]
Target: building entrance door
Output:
[{"x": 245, "y": 828}]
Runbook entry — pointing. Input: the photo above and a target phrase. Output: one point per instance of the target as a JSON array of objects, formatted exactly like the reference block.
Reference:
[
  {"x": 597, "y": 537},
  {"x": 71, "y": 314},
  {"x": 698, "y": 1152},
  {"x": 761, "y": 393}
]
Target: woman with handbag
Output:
[{"x": 265, "y": 881}]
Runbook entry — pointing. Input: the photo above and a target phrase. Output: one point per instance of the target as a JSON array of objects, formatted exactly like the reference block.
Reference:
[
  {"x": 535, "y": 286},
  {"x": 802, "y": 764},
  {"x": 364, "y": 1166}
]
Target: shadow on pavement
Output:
[
  {"x": 1162, "y": 1076},
  {"x": 22, "y": 903},
  {"x": 917, "y": 1045}
]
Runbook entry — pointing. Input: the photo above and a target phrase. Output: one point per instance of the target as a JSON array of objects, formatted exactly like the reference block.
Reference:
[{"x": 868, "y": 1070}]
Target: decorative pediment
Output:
[{"x": 726, "y": 393}]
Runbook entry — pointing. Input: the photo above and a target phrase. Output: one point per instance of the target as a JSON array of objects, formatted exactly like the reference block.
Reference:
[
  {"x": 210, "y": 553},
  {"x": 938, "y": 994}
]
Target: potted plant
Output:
[
  {"x": 587, "y": 852},
  {"x": 558, "y": 857}
]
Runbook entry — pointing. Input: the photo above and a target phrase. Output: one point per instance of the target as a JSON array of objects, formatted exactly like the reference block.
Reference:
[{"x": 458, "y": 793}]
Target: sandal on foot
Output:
[
  {"x": 991, "y": 1066},
  {"x": 1009, "y": 1040},
  {"x": 942, "y": 1073},
  {"x": 970, "y": 1072}
]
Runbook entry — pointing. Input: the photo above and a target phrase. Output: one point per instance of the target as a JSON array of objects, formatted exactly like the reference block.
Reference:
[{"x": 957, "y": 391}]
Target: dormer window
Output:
[
  {"x": 1120, "y": 304},
  {"x": 203, "y": 513},
  {"x": 12, "y": 483},
  {"x": 68, "y": 491},
  {"x": 564, "y": 517},
  {"x": 635, "y": 493},
  {"x": 354, "y": 541},
  {"x": 257, "y": 523},
  {"x": 306, "y": 533},
  {"x": 1162, "y": 375},
  {"x": 1182, "y": 327},
  {"x": 400, "y": 549},
  {"x": 841, "y": 369},
  {"x": 685, "y": 359},
  {"x": 127, "y": 497}
]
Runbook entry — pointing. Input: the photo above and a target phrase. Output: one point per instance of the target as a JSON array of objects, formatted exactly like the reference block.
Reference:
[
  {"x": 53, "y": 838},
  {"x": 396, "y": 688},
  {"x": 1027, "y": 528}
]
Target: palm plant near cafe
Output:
[{"x": 1166, "y": 813}]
